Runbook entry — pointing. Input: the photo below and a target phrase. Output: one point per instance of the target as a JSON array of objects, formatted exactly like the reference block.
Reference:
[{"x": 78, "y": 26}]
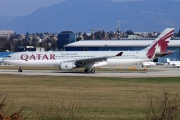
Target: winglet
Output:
[{"x": 119, "y": 54}]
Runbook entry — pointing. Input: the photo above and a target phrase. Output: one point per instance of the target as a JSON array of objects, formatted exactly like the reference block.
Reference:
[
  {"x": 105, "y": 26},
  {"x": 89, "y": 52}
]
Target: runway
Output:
[{"x": 157, "y": 71}]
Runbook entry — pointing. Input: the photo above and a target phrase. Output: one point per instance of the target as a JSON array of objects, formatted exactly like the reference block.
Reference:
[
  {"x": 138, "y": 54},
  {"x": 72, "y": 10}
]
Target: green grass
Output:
[
  {"x": 99, "y": 98},
  {"x": 152, "y": 80}
]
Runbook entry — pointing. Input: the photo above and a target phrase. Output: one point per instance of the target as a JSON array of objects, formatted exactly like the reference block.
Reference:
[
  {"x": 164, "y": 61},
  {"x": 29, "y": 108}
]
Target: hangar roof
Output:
[{"x": 111, "y": 43}]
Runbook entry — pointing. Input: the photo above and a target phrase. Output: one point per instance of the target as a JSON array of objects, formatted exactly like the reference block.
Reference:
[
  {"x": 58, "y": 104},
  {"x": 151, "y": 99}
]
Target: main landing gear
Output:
[
  {"x": 89, "y": 71},
  {"x": 19, "y": 69}
]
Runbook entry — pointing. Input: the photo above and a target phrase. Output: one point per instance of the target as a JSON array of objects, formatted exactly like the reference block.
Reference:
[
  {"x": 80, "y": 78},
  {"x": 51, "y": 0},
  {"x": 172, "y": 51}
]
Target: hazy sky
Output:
[{"x": 24, "y": 7}]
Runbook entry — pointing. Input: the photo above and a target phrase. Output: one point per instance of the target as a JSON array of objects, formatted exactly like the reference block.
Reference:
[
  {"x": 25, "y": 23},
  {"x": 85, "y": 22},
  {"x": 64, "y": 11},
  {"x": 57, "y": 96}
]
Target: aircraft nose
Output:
[{"x": 3, "y": 60}]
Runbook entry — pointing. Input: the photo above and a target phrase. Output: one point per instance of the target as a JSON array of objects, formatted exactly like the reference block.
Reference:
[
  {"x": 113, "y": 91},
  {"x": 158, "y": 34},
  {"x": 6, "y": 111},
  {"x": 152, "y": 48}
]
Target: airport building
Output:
[
  {"x": 123, "y": 45},
  {"x": 64, "y": 38},
  {"x": 6, "y": 33}
]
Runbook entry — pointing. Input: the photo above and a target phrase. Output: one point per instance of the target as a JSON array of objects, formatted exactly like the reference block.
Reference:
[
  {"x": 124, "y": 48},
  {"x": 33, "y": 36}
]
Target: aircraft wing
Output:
[
  {"x": 161, "y": 54},
  {"x": 93, "y": 60},
  {"x": 82, "y": 62},
  {"x": 97, "y": 59}
]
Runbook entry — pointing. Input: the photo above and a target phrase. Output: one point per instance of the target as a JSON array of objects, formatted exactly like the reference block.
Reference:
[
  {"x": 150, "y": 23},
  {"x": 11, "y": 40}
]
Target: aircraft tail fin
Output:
[
  {"x": 168, "y": 60},
  {"x": 160, "y": 44}
]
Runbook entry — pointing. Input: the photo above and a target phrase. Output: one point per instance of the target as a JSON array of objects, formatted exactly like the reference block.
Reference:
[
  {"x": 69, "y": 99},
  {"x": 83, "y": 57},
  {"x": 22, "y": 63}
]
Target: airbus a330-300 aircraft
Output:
[
  {"x": 68, "y": 60},
  {"x": 173, "y": 63}
]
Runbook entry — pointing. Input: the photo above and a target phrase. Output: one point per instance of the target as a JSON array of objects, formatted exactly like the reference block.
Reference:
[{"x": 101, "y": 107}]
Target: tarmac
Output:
[{"x": 131, "y": 72}]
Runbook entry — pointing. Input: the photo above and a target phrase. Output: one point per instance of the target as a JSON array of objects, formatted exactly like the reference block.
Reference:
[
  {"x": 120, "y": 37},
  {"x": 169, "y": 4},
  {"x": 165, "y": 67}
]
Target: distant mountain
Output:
[
  {"x": 82, "y": 15},
  {"x": 5, "y": 19}
]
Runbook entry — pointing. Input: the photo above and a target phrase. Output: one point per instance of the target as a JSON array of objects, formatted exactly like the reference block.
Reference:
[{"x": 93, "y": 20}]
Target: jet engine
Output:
[{"x": 67, "y": 66}]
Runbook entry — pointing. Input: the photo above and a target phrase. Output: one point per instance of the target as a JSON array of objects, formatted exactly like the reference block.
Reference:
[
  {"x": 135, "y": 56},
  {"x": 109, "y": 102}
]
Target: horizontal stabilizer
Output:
[
  {"x": 119, "y": 54},
  {"x": 161, "y": 54}
]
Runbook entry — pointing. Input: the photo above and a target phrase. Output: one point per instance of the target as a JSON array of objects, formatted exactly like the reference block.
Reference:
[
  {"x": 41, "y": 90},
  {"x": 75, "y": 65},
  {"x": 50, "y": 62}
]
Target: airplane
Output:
[
  {"x": 68, "y": 60},
  {"x": 148, "y": 64},
  {"x": 173, "y": 63}
]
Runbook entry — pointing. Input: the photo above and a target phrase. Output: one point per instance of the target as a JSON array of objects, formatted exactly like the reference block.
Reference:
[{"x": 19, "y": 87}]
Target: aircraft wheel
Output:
[
  {"x": 19, "y": 69},
  {"x": 86, "y": 71},
  {"x": 92, "y": 71}
]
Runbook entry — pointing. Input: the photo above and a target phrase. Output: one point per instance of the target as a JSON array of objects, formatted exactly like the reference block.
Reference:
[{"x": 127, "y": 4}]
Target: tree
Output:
[
  {"x": 45, "y": 45},
  {"x": 34, "y": 42},
  {"x": 79, "y": 37},
  {"x": 7, "y": 46},
  {"x": 111, "y": 35},
  {"x": 129, "y": 32},
  {"x": 100, "y": 35},
  {"x": 150, "y": 35},
  {"x": 164, "y": 107},
  {"x": 27, "y": 36},
  {"x": 26, "y": 43},
  {"x": 86, "y": 37},
  {"x": 54, "y": 45},
  {"x": 39, "y": 44},
  {"x": 103, "y": 34}
]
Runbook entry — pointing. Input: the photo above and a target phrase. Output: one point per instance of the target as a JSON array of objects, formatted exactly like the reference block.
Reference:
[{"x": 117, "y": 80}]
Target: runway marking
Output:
[{"x": 124, "y": 74}]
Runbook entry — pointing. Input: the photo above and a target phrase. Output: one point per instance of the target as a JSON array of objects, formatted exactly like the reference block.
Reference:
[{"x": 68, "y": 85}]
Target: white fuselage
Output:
[
  {"x": 55, "y": 58},
  {"x": 174, "y": 63},
  {"x": 1, "y": 60}
]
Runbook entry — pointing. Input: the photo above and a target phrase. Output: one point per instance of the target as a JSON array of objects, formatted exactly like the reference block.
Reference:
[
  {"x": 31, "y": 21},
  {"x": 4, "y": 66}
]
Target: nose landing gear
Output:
[{"x": 19, "y": 69}]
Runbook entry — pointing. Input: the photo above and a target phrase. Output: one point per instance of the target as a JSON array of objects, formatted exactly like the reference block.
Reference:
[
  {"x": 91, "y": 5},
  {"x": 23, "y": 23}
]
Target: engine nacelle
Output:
[{"x": 67, "y": 66}]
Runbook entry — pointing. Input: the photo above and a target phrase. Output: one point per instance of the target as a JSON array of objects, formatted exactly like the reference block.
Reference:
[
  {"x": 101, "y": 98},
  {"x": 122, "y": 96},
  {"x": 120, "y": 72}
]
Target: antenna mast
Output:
[{"x": 118, "y": 30}]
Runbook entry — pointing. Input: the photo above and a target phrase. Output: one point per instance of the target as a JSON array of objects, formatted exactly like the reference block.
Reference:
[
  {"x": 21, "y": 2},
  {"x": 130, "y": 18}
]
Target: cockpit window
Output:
[{"x": 8, "y": 56}]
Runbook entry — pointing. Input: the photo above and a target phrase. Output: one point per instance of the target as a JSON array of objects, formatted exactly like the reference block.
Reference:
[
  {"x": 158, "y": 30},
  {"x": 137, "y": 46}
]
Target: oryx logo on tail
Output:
[{"x": 161, "y": 43}]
